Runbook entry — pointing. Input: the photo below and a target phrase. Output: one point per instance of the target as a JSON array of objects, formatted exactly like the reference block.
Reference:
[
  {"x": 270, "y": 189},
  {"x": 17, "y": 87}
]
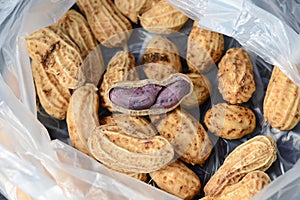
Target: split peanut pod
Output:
[
  {"x": 230, "y": 121},
  {"x": 53, "y": 97},
  {"x": 236, "y": 78},
  {"x": 119, "y": 151},
  {"x": 186, "y": 134},
  {"x": 121, "y": 67},
  {"x": 161, "y": 58},
  {"x": 58, "y": 56},
  {"x": 82, "y": 116},
  {"x": 146, "y": 97},
  {"x": 257, "y": 153},
  {"x": 177, "y": 179},
  {"x": 282, "y": 102},
  {"x": 163, "y": 18},
  {"x": 109, "y": 26},
  {"x": 204, "y": 49}
]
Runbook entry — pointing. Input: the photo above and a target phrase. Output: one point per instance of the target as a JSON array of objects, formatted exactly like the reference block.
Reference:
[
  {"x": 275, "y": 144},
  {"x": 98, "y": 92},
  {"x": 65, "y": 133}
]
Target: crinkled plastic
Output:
[
  {"x": 46, "y": 169},
  {"x": 274, "y": 39}
]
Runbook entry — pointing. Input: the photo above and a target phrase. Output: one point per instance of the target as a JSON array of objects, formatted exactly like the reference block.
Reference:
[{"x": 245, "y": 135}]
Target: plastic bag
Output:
[
  {"x": 31, "y": 160},
  {"x": 255, "y": 28}
]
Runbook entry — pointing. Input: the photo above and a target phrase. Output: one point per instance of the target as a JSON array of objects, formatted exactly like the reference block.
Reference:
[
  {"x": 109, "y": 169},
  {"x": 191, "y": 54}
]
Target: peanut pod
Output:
[
  {"x": 177, "y": 179},
  {"x": 161, "y": 58},
  {"x": 257, "y": 153},
  {"x": 163, "y": 18},
  {"x": 82, "y": 116},
  {"x": 236, "y": 78},
  {"x": 109, "y": 26},
  {"x": 149, "y": 96},
  {"x": 119, "y": 151},
  {"x": 186, "y": 134},
  {"x": 282, "y": 102},
  {"x": 53, "y": 97},
  {"x": 230, "y": 121}
]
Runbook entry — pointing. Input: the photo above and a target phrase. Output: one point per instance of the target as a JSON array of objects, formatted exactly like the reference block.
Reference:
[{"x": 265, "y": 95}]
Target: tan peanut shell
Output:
[
  {"x": 163, "y": 18},
  {"x": 53, "y": 97},
  {"x": 186, "y": 134},
  {"x": 204, "y": 49},
  {"x": 109, "y": 26},
  {"x": 245, "y": 189},
  {"x": 76, "y": 27},
  {"x": 121, "y": 67},
  {"x": 134, "y": 126},
  {"x": 230, "y": 121},
  {"x": 133, "y": 8},
  {"x": 119, "y": 151},
  {"x": 153, "y": 110},
  {"x": 236, "y": 78},
  {"x": 201, "y": 91},
  {"x": 161, "y": 58},
  {"x": 257, "y": 153},
  {"x": 58, "y": 56},
  {"x": 282, "y": 102},
  {"x": 82, "y": 116},
  {"x": 177, "y": 179}
]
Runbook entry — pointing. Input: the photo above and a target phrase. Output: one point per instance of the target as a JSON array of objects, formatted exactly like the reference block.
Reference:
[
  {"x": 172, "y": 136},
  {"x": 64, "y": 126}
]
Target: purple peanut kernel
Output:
[
  {"x": 135, "y": 98},
  {"x": 172, "y": 94}
]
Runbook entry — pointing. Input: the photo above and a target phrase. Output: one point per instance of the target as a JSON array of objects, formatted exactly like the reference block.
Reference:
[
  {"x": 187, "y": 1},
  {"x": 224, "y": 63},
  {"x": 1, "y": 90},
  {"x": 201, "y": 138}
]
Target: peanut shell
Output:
[
  {"x": 257, "y": 153},
  {"x": 112, "y": 147},
  {"x": 204, "y": 49},
  {"x": 109, "y": 26},
  {"x": 177, "y": 179},
  {"x": 58, "y": 56},
  {"x": 161, "y": 58},
  {"x": 53, "y": 97},
  {"x": 282, "y": 102},
  {"x": 82, "y": 116},
  {"x": 201, "y": 91},
  {"x": 149, "y": 96},
  {"x": 163, "y": 18},
  {"x": 236, "y": 78},
  {"x": 186, "y": 134},
  {"x": 121, "y": 67},
  {"x": 230, "y": 121},
  {"x": 133, "y": 8},
  {"x": 134, "y": 126},
  {"x": 76, "y": 27}
]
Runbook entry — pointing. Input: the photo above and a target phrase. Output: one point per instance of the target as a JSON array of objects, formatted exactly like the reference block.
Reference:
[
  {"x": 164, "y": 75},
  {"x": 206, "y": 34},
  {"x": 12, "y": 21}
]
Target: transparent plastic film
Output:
[{"x": 256, "y": 29}]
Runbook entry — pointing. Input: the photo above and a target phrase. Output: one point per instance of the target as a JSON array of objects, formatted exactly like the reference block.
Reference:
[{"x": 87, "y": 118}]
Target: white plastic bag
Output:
[{"x": 255, "y": 28}]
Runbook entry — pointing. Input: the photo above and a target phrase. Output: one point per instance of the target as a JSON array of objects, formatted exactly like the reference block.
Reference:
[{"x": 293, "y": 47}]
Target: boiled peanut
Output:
[
  {"x": 177, "y": 179},
  {"x": 236, "y": 78},
  {"x": 163, "y": 18},
  {"x": 230, "y": 121},
  {"x": 109, "y": 26},
  {"x": 257, "y": 153},
  {"x": 112, "y": 147},
  {"x": 82, "y": 116},
  {"x": 149, "y": 96},
  {"x": 204, "y": 49},
  {"x": 161, "y": 58},
  {"x": 186, "y": 134},
  {"x": 282, "y": 102},
  {"x": 53, "y": 97}
]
